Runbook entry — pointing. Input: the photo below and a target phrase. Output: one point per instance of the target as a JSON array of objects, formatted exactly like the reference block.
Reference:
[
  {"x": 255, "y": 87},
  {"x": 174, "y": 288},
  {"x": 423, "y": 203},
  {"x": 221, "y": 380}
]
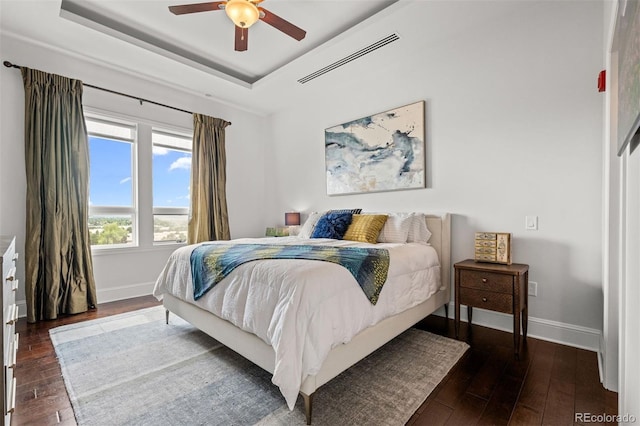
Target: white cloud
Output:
[
  {"x": 125, "y": 180},
  {"x": 159, "y": 150},
  {"x": 181, "y": 163}
]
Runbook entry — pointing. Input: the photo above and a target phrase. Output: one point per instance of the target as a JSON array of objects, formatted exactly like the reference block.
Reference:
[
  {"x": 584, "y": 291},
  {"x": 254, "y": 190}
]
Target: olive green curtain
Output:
[
  {"x": 58, "y": 265},
  {"x": 209, "y": 219}
]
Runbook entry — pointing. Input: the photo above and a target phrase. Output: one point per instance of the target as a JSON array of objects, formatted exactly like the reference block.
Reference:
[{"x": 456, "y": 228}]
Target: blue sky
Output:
[{"x": 110, "y": 183}]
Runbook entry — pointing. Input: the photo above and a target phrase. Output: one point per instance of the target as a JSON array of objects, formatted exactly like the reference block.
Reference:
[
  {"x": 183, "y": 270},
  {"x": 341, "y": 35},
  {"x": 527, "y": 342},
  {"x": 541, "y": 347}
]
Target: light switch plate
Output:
[{"x": 531, "y": 223}]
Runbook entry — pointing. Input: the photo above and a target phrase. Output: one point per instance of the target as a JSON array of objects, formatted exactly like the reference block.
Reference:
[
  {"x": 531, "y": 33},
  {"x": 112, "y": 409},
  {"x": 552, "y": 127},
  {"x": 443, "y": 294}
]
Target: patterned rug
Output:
[{"x": 134, "y": 369}]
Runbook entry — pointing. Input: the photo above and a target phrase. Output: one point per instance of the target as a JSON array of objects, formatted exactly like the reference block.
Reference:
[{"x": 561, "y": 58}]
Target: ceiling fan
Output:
[{"x": 243, "y": 13}]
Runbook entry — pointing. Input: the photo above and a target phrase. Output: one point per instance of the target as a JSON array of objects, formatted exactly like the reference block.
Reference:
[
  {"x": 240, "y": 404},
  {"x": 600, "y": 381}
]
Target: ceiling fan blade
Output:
[
  {"x": 285, "y": 26},
  {"x": 242, "y": 37},
  {"x": 196, "y": 7}
]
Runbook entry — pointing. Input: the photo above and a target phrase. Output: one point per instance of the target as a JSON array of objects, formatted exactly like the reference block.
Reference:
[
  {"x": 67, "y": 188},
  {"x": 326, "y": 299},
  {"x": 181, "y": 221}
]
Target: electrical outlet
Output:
[{"x": 533, "y": 288}]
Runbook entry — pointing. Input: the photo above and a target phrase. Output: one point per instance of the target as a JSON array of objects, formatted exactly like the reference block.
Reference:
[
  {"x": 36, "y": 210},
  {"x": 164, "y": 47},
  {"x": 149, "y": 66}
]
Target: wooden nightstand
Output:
[{"x": 501, "y": 288}]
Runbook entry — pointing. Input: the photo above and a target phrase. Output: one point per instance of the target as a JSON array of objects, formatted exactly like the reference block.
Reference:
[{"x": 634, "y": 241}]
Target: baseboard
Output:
[
  {"x": 538, "y": 328},
  {"x": 125, "y": 292},
  {"x": 22, "y": 308},
  {"x": 107, "y": 295},
  {"x": 601, "y": 357}
]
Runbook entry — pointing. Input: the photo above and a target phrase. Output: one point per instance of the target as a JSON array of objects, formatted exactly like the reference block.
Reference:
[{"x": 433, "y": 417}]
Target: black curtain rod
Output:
[{"x": 141, "y": 100}]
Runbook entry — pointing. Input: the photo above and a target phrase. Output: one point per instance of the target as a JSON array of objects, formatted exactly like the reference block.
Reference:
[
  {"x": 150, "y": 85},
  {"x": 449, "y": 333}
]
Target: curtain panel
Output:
[
  {"x": 209, "y": 219},
  {"x": 58, "y": 264}
]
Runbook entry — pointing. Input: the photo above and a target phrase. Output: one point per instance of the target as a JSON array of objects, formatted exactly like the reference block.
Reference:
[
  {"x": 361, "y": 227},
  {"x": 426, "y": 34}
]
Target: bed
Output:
[{"x": 284, "y": 340}]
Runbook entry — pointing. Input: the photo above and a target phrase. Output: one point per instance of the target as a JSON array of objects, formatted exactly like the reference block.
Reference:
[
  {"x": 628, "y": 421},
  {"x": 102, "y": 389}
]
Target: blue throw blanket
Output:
[{"x": 210, "y": 263}]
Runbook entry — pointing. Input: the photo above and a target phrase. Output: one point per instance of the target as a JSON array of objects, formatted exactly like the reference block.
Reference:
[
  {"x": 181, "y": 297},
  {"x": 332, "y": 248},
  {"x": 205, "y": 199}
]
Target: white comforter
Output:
[{"x": 303, "y": 308}]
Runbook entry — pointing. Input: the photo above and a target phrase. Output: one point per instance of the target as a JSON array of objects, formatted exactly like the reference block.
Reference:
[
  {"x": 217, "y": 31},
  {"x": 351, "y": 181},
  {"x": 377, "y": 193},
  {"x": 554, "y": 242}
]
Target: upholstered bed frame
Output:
[{"x": 345, "y": 355}]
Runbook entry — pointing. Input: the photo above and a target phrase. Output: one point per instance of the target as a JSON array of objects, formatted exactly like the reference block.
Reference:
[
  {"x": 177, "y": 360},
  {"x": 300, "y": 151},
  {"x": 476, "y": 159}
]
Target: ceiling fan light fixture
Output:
[{"x": 243, "y": 13}]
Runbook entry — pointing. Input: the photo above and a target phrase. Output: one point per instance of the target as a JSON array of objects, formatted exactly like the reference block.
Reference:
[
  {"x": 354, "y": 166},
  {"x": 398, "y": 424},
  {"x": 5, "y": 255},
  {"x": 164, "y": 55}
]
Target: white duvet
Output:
[{"x": 303, "y": 308}]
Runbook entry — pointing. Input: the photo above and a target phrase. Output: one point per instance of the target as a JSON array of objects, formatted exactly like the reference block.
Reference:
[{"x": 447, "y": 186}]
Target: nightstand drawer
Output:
[
  {"x": 490, "y": 281},
  {"x": 491, "y": 300}
]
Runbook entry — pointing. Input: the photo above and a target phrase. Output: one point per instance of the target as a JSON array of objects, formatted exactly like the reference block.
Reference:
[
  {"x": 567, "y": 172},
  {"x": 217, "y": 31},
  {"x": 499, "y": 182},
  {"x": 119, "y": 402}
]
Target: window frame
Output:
[
  {"x": 106, "y": 210},
  {"x": 174, "y": 211},
  {"x": 142, "y": 188}
]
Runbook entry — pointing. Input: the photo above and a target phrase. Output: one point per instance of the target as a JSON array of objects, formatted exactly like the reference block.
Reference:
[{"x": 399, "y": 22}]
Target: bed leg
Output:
[
  {"x": 166, "y": 315},
  {"x": 308, "y": 401}
]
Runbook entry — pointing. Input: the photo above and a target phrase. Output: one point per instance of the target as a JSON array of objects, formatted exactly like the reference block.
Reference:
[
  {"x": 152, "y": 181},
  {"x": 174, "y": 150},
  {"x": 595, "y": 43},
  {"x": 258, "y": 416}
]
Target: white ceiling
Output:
[{"x": 195, "y": 52}]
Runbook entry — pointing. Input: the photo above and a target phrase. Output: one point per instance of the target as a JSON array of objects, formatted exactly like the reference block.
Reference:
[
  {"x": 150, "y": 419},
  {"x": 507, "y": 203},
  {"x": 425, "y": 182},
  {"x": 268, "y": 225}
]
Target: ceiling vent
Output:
[{"x": 360, "y": 53}]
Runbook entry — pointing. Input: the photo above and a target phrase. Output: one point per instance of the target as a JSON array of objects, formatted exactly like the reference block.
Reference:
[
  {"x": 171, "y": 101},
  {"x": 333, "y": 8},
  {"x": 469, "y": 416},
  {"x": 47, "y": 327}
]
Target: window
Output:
[
  {"x": 139, "y": 182},
  {"x": 171, "y": 181},
  {"x": 112, "y": 183}
]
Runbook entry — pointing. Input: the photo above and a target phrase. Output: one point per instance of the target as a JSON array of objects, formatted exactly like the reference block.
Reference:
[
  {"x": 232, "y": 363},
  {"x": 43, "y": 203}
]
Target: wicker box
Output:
[
  {"x": 277, "y": 232},
  {"x": 493, "y": 247}
]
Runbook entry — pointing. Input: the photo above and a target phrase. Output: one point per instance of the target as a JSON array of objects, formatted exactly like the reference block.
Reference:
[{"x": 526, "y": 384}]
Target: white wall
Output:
[
  {"x": 129, "y": 272},
  {"x": 514, "y": 128}
]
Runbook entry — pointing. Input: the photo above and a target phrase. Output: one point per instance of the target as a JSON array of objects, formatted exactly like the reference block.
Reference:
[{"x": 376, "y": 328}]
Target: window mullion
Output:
[
  {"x": 114, "y": 210},
  {"x": 145, "y": 185}
]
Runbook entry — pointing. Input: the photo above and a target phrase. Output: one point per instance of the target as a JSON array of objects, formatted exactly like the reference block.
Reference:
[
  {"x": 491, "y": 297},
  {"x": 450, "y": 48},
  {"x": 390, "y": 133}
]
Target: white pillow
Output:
[
  {"x": 309, "y": 225},
  {"x": 396, "y": 228},
  {"x": 418, "y": 231}
]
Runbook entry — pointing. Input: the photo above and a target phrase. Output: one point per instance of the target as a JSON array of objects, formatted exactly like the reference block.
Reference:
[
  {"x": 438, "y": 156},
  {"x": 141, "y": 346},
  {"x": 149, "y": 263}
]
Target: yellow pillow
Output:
[{"x": 365, "y": 227}]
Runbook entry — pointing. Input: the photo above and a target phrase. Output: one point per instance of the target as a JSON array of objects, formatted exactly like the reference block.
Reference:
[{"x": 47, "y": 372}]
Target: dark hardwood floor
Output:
[
  {"x": 41, "y": 397},
  {"x": 547, "y": 385}
]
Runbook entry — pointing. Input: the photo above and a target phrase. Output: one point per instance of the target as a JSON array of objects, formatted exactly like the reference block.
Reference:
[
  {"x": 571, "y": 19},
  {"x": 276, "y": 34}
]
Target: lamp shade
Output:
[
  {"x": 292, "y": 219},
  {"x": 242, "y": 12}
]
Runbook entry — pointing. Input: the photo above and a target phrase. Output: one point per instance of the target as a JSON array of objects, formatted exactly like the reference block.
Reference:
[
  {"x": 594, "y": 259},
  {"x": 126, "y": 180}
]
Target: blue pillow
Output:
[{"x": 332, "y": 225}]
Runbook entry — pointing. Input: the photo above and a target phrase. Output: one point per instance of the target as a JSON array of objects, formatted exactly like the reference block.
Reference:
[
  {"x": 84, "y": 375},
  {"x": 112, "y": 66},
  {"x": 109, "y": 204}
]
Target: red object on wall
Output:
[{"x": 602, "y": 81}]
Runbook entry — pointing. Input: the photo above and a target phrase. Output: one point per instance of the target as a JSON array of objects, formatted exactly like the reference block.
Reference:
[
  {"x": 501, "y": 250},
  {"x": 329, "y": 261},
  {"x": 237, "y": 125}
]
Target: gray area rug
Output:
[{"x": 134, "y": 369}]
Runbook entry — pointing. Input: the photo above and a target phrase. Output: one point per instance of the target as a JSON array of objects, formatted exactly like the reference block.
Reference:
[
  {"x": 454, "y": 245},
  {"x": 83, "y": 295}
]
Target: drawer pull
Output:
[
  {"x": 11, "y": 275},
  {"x": 484, "y": 280},
  {"x": 11, "y": 398},
  {"x": 484, "y": 299}
]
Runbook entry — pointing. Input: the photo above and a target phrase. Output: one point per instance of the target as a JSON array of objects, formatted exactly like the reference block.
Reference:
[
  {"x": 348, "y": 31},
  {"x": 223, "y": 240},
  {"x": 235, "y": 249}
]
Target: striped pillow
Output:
[
  {"x": 418, "y": 231},
  {"x": 365, "y": 228},
  {"x": 352, "y": 211},
  {"x": 309, "y": 225},
  {"x": 396, "y": 228}
]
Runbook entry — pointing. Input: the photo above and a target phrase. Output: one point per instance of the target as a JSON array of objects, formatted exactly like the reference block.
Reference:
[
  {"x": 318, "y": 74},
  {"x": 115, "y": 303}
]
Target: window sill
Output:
[{"x": 111, "y": 251}]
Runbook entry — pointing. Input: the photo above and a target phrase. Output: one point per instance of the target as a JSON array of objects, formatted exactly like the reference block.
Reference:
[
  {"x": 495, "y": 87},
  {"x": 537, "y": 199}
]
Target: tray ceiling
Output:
[{"x": 205, "y": 40}]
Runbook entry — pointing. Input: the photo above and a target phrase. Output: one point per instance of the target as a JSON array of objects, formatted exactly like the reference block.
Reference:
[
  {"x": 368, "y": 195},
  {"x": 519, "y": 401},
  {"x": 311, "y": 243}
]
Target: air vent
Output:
[{"x": 360, "y": 53}]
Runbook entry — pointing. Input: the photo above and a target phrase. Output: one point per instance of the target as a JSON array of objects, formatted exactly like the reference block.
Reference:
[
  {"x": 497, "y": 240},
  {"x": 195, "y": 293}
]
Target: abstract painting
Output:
[{"x": 382, "y": 152}]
